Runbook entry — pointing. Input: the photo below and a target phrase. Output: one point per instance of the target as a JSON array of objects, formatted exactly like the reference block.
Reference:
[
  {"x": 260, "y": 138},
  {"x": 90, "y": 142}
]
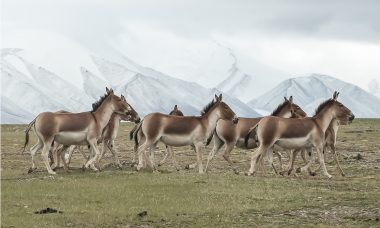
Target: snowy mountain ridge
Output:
[
  {"x": 310, "y": 91},
  {"x": 37, "y": 89}
]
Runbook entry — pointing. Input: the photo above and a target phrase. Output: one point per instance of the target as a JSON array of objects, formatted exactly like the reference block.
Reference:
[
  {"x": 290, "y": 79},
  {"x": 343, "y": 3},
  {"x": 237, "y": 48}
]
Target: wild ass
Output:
[
  {"x": 233, "y": 135},
  {"x": 298, "y": 133},
  {"x": 330, "y": 141},
  {"x": 75, "y": 128},
  {"x": 179, "y": 131},
  {"x": 108, "y": 137},
  {"x": 169, "y": 149}
]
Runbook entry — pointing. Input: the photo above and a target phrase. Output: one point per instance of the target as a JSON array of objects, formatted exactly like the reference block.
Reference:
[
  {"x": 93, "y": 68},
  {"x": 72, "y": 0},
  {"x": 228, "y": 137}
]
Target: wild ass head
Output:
[
  {"x": 176, "y": 112},
  {"x": 288, "y": 109},
  {"x": 340, "y": 112},
  {"x": 222, "y": 109}
]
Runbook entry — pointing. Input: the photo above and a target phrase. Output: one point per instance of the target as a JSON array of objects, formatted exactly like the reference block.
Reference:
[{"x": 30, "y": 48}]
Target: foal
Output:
[
  {"x": 75, "y": 128},
  {"x": 180, "y": 131},
  {"x": 233, "y": 134},
  {"x": 300, "y": 133}
]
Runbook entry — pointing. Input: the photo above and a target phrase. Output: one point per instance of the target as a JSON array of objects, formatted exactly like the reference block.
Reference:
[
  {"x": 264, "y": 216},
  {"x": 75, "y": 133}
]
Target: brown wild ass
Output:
[
  {"x": 330, "y": 141},
  {"x": 169, "y": 149},
  {"x": 75, "y": 128},
  {"x": 233, "y": 134},
  {"x": 298, "y": 133},
  {"x": 108, "y": 137},
  {"x": 179, "y": 131}
]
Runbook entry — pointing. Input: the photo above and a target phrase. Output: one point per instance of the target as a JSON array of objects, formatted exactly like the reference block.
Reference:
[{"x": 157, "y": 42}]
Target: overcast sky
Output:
[{"x": 337, "y": 38}]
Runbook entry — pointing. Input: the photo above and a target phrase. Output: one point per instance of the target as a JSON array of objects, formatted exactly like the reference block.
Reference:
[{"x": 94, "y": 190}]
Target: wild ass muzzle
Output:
[
  {"x": 233, "y": 134},
  {"x": 294, "y": 133},
  {"x": 75, "y": 128},
  {"x": 180, "y": 131}
]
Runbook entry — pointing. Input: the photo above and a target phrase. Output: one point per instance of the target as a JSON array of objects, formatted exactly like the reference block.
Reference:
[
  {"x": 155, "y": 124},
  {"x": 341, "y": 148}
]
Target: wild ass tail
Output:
[
  {"x": 210, "y": 137},
  {"x": 249, "y": 133},
  {"x": 134, "y": 132},
  {"x": 27, "y": 134},
  {"x": 131, "y": 134}
]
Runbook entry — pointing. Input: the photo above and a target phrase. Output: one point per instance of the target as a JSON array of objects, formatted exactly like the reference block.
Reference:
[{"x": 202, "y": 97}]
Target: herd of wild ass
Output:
[{"x": 287, "y": 129}]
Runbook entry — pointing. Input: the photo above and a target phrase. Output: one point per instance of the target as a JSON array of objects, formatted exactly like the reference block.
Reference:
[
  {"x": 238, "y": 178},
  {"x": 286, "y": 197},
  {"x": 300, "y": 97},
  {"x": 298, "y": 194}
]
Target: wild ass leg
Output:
[
  {"x": 292, "y": 160},
  {"x": 166, "y": 156},
  {"x": 193, "y": 165},
  {"x": 226, "y": 156},
  {"x": 94, "y": 148},
  {"x": 279, "y": 158},
  {"x": 322, "y": 160},
  {"x": 170, "y": 148},
  {"x": 217, "y": 145},
  {"x": 255, "y": 155},
  {"x": 332, "y": 146},
  {"x": 141, "y": 152},
  {"x": 111, "y": 147},
  {"x": 270, "y": 159},
  {"x": 198, "y": 148},
  {"x": 152, "y": 149},
  {"x": 61, "y": 154},
  {"x": 307, "y": 167},
  {"x": 33, "y": 152},
  {"x": 45, "y": 153},
  {"x": 135, "y": 148}
]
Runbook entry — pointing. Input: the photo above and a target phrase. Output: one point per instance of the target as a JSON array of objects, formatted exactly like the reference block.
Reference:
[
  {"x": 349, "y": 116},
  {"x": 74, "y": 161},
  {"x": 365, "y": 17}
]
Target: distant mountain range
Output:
[
  {"x": 36, "y": 89},
  {"x": 67, "y": 76},
  {"x": 310, "y": 91}
]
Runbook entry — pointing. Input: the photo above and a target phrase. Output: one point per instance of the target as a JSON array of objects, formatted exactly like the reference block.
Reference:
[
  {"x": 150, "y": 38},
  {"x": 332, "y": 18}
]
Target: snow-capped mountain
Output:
[
  {"x": 37, "y": 89},
  {"x": 211, "y": 64},
  {"x": 310, "y": 91},
  {"x": 154, "y": 91},
  {"x": 12, "y": 113}
]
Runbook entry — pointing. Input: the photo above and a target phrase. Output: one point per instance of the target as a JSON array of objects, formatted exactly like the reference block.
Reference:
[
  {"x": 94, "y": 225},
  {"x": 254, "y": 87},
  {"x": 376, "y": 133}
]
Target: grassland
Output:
[{"x": 114, "y": 197}]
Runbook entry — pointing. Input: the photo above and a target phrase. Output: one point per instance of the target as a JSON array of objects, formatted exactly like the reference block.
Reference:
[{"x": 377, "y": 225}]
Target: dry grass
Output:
[{"x": 113, "y": 198}]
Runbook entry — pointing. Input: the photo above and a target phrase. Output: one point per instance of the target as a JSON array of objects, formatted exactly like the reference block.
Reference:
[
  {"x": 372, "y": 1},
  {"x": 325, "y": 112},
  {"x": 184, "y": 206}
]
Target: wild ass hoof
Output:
[
  {"x": 83, "y": 168},
  {"x": 248, "y": 174},
  {"x": 236, "y": 172},
  {"x": 343, "y": 175},
  {"x": 313, "y": 174},
  {"x": 329, "y": 176},
  {"x": 298, "y": 170},
  {"x": 52, "y": 173},
  {"x": 281, "y": 173},
  {"x": 159, "y": 165},
  {"x": 187, "y": 166}
]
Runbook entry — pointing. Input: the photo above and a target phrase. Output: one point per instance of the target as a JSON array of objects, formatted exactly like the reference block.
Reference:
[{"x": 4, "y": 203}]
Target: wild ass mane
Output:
[
  {"x": 97, "y": 104},
  {"x": 208, "y": 107},
  {"x": 279, "y": 108},
  {"x": 322, "y": 106}
]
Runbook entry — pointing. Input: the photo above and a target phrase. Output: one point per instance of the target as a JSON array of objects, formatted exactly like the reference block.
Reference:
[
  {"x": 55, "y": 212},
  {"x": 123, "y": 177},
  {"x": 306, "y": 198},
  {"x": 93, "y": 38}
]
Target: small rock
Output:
[{"x": 142, "y": 214}]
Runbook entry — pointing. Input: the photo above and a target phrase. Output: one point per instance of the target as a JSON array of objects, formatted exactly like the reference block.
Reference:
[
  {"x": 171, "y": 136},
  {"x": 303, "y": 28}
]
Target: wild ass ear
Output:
[
  {"x": 291, "y": 99},
  {"x": 285, "y": 99},
  {"x": 123, "y": 98},
  {"x": 335, "y": 96},
  {"x": 220, "y": 97},
  {"x": 111, "y": 91},
  {"x": 175, "y": 107},
  {"x": 216, "y": 98},
  {"x": 108, "y": 91}
]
